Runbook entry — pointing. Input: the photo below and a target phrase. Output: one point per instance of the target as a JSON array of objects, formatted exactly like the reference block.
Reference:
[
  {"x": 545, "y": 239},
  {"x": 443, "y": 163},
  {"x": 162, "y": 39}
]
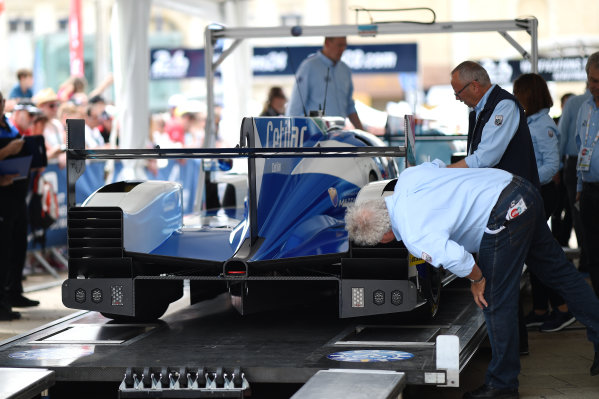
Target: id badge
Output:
[{"x": 584, "y": 159}]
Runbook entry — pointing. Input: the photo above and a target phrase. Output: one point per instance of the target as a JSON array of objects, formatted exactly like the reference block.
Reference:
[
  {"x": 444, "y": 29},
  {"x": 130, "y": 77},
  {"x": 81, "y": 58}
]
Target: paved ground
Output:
[{"x": 557, "y": 367}]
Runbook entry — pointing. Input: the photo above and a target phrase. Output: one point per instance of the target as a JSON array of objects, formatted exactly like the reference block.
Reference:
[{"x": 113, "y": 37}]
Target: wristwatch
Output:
[{"x": 477, "y": 281}]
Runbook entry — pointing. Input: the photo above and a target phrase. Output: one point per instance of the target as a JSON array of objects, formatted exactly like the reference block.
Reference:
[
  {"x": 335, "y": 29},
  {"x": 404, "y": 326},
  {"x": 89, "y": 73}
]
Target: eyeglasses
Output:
[{"x": 457, "y": 94}]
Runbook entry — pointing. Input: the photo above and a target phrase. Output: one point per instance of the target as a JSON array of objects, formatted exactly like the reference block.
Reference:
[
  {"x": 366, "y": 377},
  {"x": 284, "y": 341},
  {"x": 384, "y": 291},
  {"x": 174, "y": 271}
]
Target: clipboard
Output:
[
  {"x": 17, "y": 165},
  {"x": 34, "y": 146}
]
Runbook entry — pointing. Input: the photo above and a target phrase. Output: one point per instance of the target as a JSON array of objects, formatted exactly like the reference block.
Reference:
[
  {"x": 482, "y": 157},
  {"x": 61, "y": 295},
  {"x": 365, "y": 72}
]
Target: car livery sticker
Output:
[
  {"x": 334, "y": 196},
  {"x": 413, "y": 261},
  {"x": 370, "y": 356},
  {"x": 52, "y": 353}
]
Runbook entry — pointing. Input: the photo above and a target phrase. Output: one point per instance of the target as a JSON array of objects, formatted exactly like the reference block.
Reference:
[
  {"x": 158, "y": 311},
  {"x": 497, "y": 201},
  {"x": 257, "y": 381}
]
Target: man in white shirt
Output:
[{"x": 443, "y": 215}]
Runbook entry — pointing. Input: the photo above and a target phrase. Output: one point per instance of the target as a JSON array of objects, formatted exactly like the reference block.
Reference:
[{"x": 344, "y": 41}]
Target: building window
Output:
[
  {"x": 63, "y": 24},
  {"x": 20, "y": 25},
  {"x": 28, "y": 25},
  {"x": 13, "y": 25},
  {"x": 291, "y": 19}
]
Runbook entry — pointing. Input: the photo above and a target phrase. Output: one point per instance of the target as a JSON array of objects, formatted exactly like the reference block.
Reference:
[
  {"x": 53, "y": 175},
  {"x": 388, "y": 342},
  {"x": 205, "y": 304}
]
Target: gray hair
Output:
[
  {"x": 368, "y": 222},
  {"x": 470, "y": 70},
  {"x": 593, "y": 61}
]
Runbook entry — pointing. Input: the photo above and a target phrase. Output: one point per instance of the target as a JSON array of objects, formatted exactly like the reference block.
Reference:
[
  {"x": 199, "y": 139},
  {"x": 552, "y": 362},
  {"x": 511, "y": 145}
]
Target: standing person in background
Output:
[
  {"x": 325, "y": 73},
  {"x": 498, "y": 136},
  {"x": 587, "y": 187},
  {"x": 54, "y": 133},
  {"x": 22, "y": 117},
  {"x": 275, "y": 104},
  {"x": 567, "y": 143},
  {"x": 13, "y": 227},
  {"x": 73, "y": 89},
  {"x": 22, "y": 90},
  {"x": 561, "y": 219},
  {"x": 532, "y": 92}
]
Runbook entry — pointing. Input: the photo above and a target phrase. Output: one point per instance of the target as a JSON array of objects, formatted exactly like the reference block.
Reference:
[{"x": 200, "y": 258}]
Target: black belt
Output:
[{"x": 590, "y": 185}]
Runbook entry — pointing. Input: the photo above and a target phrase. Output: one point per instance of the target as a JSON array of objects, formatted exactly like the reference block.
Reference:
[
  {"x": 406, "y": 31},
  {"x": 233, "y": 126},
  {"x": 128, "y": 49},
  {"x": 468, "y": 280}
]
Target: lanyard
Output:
[{"x": 586, "y": 137}]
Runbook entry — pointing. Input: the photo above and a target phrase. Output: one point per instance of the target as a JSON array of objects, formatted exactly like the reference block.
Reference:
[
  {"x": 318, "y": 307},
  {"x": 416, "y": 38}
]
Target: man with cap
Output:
[
  {"x": 22, "y": 117},
  {"x": 444, "y": 215}
]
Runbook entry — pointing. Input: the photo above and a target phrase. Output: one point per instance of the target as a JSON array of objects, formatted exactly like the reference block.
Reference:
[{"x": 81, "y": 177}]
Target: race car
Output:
[{"x": 130, "y": 245}]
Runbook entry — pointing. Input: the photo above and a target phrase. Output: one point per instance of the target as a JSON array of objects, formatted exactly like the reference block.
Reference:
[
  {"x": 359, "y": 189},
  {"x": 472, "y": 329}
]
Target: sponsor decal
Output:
[
  {"x": 333, "y": 196},
  {"x": 426, "y": 257},
  {"x": 413, "y": 261},
  {"x": 516, "y": 209},
  {"x": 284, "y": 135},
  {"x": 498, "y": 120},
  {"x": 53, "y": 353},
  {"x": 370, "y": 356},
  {"x": 584, "y": 152}
]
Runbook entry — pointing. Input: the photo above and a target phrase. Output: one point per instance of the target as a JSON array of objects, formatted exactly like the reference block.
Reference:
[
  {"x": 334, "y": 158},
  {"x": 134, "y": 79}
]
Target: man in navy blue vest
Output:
[{"x": 498, "y": 137}]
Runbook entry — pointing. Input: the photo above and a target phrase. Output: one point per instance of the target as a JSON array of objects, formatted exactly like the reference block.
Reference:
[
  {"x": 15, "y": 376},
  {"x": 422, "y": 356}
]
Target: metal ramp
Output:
[
  {"x": 24, "y": 383},
  {"x": 353, "y": 384},
  {"x": 212, "y": 340}
]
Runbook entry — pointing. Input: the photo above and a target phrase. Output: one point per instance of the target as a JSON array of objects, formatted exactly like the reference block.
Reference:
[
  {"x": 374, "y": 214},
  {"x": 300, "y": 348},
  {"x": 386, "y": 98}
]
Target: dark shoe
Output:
[
  {"x": 524, "y": 350},
  {"x": 22, "y": 302},
  {"x": 595, "y": 366},
  {"x": 558, "y": 321},
  {"x": 534, "y": 320},
  {"x": 6, "y": 314},
  {"x": 487, "y": 392}
]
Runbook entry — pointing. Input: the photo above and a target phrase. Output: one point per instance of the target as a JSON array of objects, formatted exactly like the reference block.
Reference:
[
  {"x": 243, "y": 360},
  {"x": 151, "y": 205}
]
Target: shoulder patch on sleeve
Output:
[
  {"x": 426, "y": 257},
  {"x": 498, "y": 120}
]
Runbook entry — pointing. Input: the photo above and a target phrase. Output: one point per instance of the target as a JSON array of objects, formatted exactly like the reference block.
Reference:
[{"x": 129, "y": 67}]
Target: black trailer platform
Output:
[{"x": 210, "y": 345}]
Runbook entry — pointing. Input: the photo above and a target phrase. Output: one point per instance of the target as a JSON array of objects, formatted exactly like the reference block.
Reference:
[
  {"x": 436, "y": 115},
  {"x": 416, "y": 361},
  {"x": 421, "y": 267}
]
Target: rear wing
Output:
[{"x": 77, "y": 154}]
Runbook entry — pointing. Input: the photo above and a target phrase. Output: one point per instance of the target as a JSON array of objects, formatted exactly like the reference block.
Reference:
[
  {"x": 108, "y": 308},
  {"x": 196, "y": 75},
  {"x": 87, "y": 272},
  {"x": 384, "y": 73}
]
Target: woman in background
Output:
[
  {"x": 275, "y": 104},
  {"x": 532, "y": 92}
]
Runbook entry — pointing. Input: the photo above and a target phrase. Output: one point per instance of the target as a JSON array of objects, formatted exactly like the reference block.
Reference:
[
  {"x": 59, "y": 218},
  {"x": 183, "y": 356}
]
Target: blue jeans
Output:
[{"x": 502, "y": 254}]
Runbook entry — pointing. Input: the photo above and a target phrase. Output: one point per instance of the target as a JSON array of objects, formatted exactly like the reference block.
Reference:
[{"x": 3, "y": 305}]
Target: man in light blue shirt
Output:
[
  {"x": 495, "y": 137},
  {"x": 587, "y": 136},
  {"x": 323, "y": 73},
  {"x": 498, "y": 136},
  {"x": 443, "y": 215},
  {"x": 569, "y": 150}
]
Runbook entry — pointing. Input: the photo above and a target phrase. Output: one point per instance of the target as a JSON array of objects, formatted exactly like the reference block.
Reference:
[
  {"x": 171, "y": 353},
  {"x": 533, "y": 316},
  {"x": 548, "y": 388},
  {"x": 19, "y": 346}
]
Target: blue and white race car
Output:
[{"x": 130, "y": 247}]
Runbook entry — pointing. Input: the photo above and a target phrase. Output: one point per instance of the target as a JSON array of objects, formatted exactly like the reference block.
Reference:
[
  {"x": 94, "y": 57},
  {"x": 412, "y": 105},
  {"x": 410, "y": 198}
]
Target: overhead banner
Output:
[
  {"x": 376, "y": 58},
  {"x": 75, "y": 39},
  {"x": 560, "y": 69},
  {"x": 269, "y": 61}
]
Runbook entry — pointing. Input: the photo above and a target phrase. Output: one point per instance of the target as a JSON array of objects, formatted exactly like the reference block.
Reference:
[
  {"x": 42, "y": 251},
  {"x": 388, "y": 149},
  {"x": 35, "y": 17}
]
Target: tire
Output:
[
  {"x": 430, "y": 289},
  {"x": 372, "y": 176}
]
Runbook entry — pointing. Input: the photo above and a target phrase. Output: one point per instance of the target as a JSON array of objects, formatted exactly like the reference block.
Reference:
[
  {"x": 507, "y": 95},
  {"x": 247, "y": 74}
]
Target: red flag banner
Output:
[{"x": 75, "y": 39}]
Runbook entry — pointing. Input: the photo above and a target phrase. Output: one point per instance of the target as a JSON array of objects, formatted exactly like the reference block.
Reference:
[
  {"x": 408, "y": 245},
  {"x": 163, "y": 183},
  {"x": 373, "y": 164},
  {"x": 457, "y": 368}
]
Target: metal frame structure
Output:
[{"x": 213, "y": 33}]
